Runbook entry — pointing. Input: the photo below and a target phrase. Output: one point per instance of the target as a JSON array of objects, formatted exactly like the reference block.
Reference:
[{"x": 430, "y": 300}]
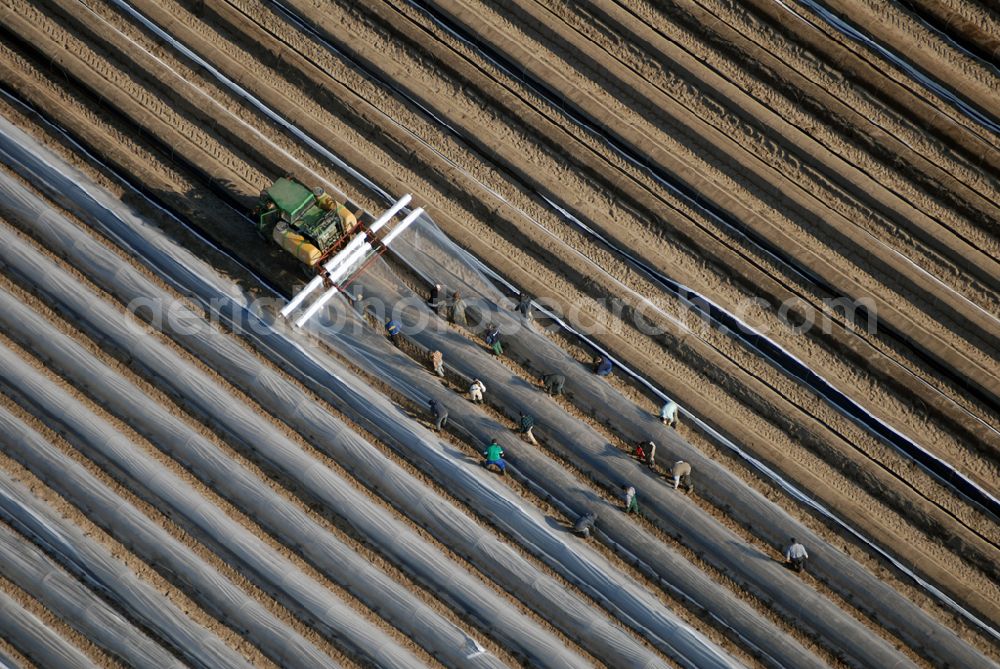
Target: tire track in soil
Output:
[
  {"x": 973, "y": 25},
  {"x": 890, "y": 24},
  {"x": 661, "y": 63},
  {"x": 935, "y": 343},
  {"x": 670, "y": 265},
  {"x": 387, "y": 451},
  {"x": 870, "y": 133},
  {"x": 898, "y": 68}
]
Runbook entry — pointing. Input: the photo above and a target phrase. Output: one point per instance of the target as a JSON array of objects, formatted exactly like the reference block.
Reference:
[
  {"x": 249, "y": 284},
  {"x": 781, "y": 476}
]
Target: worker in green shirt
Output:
[{"x": 494, "y": 457}]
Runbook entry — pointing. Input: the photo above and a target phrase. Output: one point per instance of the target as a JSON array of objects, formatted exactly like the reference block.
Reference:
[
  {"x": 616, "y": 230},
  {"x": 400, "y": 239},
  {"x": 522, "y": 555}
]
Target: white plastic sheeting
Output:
[
  {"x": 64, "y": 596},
  {"x": 324, "y": 611},
  {"x": 236, "y": 483},
  {"x": 6, "y": 661},
  {"x": 394, "y": 539},
  {"x": 151, "y": 542},
  {"x": 34, "y": 639},
  {"x": 747, "y": 506},
  {"x": 552, "y": 482},
  {"x": 102, "y": 572},
  {"x": 452, "y": 526}
]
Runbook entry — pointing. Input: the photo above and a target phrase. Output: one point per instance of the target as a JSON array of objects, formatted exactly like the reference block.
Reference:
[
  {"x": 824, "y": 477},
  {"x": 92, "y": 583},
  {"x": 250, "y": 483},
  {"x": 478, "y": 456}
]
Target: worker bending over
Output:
[
  {"x": 602, "y": 366},
  {"x": 440, "y": 415},
  {"x": 796, "y": 555},
  {"x": 631, "y": 499},
  {"x": 527, "y": 425},
  {"x": 585, "y": 524},
  {"x": 668, "y": 413},
  {"x": 494, "y": 458},
  {"x": 554, "y": 383},
  {"x": 524, "y": 306},
  {"x": 437, "y": 363},
  {"x": 393, "y": 329},
  {"x": 476, "y": 391},
  {"x": 681, "y": 473},
  {"x": 493, "y": 339},
  {"x": 646, "y": 451},
  {"x": 457, "y": 309}
]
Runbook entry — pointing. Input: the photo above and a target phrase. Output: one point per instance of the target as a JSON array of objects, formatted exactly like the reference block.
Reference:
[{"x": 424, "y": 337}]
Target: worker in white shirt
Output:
[
  {"x": 796, "y": 555},
  {"x": 476, "y": 391},
  {"x": 668, "y": 413},
  {"x": 631, "y": 499}
]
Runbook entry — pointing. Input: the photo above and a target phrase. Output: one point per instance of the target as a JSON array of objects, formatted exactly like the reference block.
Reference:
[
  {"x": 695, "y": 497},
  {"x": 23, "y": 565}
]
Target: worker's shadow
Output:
[
  {"x": 749, "y": 551},
  {"x": 460, "y": 455},
  {"x": 611, "y": 451},
  {"x": 558, "y": 525}
]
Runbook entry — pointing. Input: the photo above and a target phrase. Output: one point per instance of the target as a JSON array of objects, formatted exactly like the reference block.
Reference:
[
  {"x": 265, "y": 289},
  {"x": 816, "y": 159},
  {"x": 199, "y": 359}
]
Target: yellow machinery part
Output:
[
  {"x": 296, "y": 244},
  {"x": 347, "y": 217},
  {"x": 324, "y": 201}
]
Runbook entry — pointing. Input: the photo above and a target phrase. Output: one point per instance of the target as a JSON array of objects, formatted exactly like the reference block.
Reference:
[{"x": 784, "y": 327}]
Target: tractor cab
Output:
[{"x": 309, "y": 224}]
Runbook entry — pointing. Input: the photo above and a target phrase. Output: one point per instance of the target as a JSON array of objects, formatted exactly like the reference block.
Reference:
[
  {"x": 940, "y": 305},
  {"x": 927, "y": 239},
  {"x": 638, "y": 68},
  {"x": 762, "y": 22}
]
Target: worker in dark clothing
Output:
[
  {"x": 602, "y": 365},
  {"x": 438, "y": 300},
  {"x": 527, "y": 425},
  {"x": 458, "y": 309},
  {"x": 393, "y": 329},
  {"x": 440, "y": 415},
  {"x": 650, "y": 448},
  {"x": 554, "y": 383},
  {"x": 645, "y": 451},
  {"x": 524, "y": 306},
  {"x": 493, "y": 339},
  {"x": 494, "y": 457},
  {"x": 796, "y": 555},
  {"x": 585, "y": 524}
]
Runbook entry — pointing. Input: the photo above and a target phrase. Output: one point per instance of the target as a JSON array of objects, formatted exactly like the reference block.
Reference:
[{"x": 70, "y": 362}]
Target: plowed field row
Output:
[
  {"x": 211, "y": 498},
  {"x": 269, "y": 482},
  {"x": 210, "y": 133},
  {"x": 639, "y": 237}
]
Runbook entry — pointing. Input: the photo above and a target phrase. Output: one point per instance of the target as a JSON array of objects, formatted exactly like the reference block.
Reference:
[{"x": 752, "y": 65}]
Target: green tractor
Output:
[
  {"x": 307, "y": 223},
  {"x": 332, "y": 245}
]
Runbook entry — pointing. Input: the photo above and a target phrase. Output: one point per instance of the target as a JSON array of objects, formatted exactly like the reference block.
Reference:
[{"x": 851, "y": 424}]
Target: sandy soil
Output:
[{"x": 854, "y": 203}]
